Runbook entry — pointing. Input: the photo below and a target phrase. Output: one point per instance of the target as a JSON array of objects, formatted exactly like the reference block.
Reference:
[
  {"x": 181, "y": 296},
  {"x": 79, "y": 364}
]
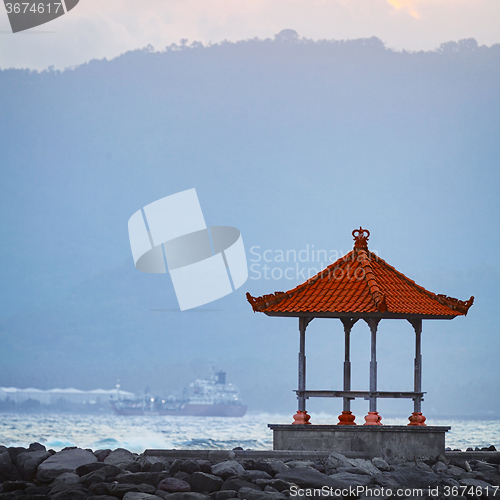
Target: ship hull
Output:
[{"x": 188, "y": 410}]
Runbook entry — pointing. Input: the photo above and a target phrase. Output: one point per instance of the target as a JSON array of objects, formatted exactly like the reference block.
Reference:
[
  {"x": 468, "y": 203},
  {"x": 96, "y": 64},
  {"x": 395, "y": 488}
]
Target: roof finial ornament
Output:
[{"x": 361, "y": 238}]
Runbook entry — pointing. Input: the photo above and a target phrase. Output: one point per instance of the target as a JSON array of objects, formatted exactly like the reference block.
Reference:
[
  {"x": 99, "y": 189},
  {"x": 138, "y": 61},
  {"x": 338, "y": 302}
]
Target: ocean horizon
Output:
[{"x": 138, "y": 433}]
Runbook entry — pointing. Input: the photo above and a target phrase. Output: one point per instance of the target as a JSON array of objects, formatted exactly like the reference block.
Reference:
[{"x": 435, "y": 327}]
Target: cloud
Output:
[{"x": 407, "y": 5}]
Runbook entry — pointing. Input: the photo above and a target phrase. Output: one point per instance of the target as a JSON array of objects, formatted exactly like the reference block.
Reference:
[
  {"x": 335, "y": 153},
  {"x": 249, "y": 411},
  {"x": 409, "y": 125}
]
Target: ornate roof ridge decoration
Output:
[
  {"x": 333, "y": 292},
  {"x": 378, "y": 296}
]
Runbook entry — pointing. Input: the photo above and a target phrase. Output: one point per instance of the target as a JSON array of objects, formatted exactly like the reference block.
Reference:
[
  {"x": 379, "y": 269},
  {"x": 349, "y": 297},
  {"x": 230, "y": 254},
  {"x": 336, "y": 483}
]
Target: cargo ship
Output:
[{"x": 211, "y": 397}]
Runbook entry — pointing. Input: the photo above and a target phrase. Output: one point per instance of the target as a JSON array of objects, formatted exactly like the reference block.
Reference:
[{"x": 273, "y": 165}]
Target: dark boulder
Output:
[
  {"x": 252, "y": 475},
  {"x": 9, "y": 486},
  {"x": 305, "y": 477},
  {"x": 409, "y": 476},
  {"x": 202, "y": 482},
  {"x": 187, "y": 466},
  {"x": 190, "y": 495},
  {"x": 64, "y": 461},
  {"x": 88, "y": 468},
  {"x": 224, "y": 495},
  {"x": 120, "y": 458},
  {"x": 173, "y": 485},
  {"x": 27, "y": 462},
  {"x": 37, "y": 447},
  {"x": 252, "y": 494},
  {"x": 7, "y": 469},
  {"x": 101, "y": 454},
  {"x": 235, "y": 484}
]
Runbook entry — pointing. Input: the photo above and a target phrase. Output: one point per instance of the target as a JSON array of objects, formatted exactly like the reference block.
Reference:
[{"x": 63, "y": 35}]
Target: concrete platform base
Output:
[{"x": 387, "y": 441}]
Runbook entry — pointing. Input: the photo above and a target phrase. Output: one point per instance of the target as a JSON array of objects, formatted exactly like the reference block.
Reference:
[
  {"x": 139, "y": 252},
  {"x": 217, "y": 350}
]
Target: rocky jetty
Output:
[{"x": 35, "y": 473}]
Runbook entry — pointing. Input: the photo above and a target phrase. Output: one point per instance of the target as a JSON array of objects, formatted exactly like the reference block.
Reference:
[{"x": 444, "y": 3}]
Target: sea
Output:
[{"x": 138, "y": 433}]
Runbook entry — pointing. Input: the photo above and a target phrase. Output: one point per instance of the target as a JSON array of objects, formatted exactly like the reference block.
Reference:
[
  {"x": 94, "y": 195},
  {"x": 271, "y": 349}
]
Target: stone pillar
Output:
[
  {"x": 373, "y": 418},
  {"x": 347, "y": 418},
  {"x": 416, "y": 418},
  {"x": 301, "y": 417}
]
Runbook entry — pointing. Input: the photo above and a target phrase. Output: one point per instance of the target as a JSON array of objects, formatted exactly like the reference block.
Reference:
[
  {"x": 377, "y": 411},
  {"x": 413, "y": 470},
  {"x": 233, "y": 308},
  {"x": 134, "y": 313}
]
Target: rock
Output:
[
  {"x": 139, "y": 496},
  {"x": 120, "y": 458},
  {"x": 111, "y": 471},
  {"x": 152, "y": 478},
  {"x": 187, "y": 466},
  {"x": 27, "y": 462},
  {"x": 100, "y": 489},
  {"x": 227, "y": 469},
  {"x": 489, "y": 477},
  {"x": 191, "y": 495},
  {"x": 153, "y": 464},
  {"x": 359, "y": 466},
  {"x": 64, "y": 461},
  {"x": 264, "y": 466},
  {"x": 162, "y": 494},
  {"x": 67, "y": 478},
  {"x": 335, "y": 461},
  {"x": 410, "y": 476},
  {"x": 473, "y": 482},
  {"x": 455, "y": 471},
  {"x": 380, "y": 464},
  {"x": 423, "y": 466},
  {"x": 278, "y": 466},
  {"x": 202, "y": 482},
  {"x": 252, "y": 475},
  {"x": 101, "y": 497},
  {"x": 37, "y": 447},
  {"x": 205, "y": 466},
  {"x": 97, "y": 476},
  {"x": 252, "y": 494},
  {"x": 269, "y": 488},
  {"x": 385, "y": 480},
  {"x": 347, "y": 479},
  {"x": 120, "y": 489},
  {"x": 133, "y": 467},
  {"x": 101, "y": 454},
  {"x": 224, "y": 495},
  {"x": 448, "y": 481},
  {"x": 9, "y": 486},
  {"x": 7, "y": 469},
  {"x": 172, "y": 485},
  {"x": 37, "y": 490},
  {"x": 300, "y": 463},
  {"x": 305, "y": 477},
  {"x": 440, "y": 468},
  {"x": 83, "y": 470},
  {"x": 181, "y": 475},
  {"x": 279, "y": 484},
  {"x": 13, "y": 451},
  {"x": 75, "y": 494},
  {"x": 234, "y": 483}
]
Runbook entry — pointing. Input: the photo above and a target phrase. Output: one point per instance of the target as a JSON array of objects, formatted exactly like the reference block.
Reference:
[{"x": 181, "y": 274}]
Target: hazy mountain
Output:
[{"x": 294, "y": 142}]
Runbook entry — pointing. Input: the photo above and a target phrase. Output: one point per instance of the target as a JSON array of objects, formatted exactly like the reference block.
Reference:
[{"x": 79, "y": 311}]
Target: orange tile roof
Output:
[{"x": 361, "y": 282}]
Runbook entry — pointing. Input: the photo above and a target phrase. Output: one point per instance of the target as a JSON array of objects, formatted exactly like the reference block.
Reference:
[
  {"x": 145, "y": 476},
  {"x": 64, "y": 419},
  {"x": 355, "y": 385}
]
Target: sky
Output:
[
  {"x": 278, "y": 139},
  {"x": 95, "y": 29}
]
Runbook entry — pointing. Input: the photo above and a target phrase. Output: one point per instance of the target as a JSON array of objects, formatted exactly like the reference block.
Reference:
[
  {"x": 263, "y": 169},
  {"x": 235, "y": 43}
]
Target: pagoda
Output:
[{"x": 360, "y": 286}]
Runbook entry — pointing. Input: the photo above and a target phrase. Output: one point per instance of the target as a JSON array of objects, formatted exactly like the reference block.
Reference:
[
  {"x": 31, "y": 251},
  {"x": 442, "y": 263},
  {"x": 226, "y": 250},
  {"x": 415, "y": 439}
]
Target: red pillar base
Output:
[
  {"x": 416, "y": 418},
  {"x": 373, "y": 418},
  {"x": 301, "y": 418},
  {"x": 347, "y": 418}
]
